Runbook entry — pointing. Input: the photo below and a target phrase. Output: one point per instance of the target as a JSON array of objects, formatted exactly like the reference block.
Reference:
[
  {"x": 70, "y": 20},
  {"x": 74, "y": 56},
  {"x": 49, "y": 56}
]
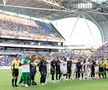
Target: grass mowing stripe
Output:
[{"x": 102, "y": 84}]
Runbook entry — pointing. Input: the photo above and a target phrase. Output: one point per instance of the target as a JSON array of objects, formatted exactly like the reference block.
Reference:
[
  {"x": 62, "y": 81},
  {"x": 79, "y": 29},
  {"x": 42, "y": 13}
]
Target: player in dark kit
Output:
[
  {"x": 101, "y": 70},
  {"x": 93, "y": 69},
  {"x": 53, "y": 66},
  {"x": 69, "y": 65},
  {"x": 43, "y": 70},
  {"x": 33, "y": 66},
  {"x": 58, "y": 72},
  {"x": 78, "y": 66}
]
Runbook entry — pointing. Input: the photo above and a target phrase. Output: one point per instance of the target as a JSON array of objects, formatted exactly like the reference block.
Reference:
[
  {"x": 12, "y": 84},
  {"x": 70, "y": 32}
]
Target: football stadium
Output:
[{"x": 53, "y": 44}]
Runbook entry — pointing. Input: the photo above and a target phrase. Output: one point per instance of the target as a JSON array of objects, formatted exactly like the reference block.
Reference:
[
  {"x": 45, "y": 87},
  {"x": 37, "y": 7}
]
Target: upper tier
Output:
[{"x": 13, "y": 26}]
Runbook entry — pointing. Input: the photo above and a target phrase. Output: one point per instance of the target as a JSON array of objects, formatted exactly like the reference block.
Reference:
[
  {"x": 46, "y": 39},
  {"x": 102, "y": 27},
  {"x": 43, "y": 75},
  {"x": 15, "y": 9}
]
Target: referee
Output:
[{"x": 15, "y": 70}]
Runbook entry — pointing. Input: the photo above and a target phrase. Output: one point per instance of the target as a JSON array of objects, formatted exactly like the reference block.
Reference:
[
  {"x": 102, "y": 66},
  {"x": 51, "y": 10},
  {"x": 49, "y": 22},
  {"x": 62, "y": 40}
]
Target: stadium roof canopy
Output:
[
  {"x": 93, "y": 10},
  {"x": 56, "y": 9}
]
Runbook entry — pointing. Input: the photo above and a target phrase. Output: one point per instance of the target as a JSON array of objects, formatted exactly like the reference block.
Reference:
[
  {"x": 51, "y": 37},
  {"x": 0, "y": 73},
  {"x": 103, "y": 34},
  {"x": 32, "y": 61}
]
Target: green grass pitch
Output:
[{"x": 102, "y": 84}]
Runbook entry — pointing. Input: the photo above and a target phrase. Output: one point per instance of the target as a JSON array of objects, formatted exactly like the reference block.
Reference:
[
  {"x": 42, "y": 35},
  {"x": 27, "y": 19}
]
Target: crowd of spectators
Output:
[
  {"x": 74, "y": 54},
  {"x": 100, "y": 53},
  {"x": 5, "y": 60},
  {"x": 20, "y": 27}
]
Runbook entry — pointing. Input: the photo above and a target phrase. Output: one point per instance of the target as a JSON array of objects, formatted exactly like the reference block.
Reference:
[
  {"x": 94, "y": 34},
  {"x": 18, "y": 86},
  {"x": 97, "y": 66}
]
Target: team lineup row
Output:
[{"x": 60, "y": 69}]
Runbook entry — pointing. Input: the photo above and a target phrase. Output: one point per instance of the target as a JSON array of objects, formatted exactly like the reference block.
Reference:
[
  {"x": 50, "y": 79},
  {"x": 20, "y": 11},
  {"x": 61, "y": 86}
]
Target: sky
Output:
[
  {"x": 99, "y": 1},
  {"x": 84, "y": 33}
]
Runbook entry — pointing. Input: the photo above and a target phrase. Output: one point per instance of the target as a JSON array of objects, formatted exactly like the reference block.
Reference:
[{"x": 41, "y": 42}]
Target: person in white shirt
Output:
[
  {"x": 83, "y": 71},
  {"x": 87, "y": 70},
  {"x": 73, "y": 69},
  {"x": 63, "y": 68},
  {"x": 48, "y": 61},
  {"x": 97, "y": 69}
]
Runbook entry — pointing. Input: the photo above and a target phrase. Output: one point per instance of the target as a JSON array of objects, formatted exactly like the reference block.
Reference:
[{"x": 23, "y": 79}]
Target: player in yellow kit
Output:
[
  {"x": 15, "y": 70},
  {"x": 107, "y": 66}
]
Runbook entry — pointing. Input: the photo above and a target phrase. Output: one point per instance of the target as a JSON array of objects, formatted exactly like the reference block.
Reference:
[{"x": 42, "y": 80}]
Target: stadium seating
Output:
[
  {"x": 74, "y": 55},
  {"x": 16, "y": 27},
  {"x": 5, "y": 61},
  {"x": 101, "y": 53},
  {"x": 20, "y": 27}
]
